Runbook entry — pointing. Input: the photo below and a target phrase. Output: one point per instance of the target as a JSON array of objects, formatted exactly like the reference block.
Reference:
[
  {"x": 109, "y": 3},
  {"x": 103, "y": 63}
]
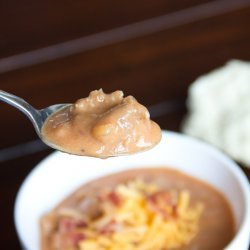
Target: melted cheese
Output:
[{"x": 143, "y": 217}]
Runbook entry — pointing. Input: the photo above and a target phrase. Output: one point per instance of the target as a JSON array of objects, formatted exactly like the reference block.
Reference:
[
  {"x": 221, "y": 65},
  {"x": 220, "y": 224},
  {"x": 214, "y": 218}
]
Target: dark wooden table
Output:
[{"x": 58, "y": 51}]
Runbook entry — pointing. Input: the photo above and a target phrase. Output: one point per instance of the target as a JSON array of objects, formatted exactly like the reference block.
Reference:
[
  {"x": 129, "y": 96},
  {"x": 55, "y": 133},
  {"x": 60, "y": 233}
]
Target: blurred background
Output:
[{"x": 58, "y": 51}]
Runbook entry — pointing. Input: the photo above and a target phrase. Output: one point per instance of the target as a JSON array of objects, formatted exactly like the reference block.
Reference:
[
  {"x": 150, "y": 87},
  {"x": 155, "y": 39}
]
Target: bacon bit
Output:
[
  {"x": 157, "y": 202},
  {"x": 175, "y": 211},
  {"x": 155, "y": 208},
  {"x": 112, "y": 197},
  {"x": 69, "y": 224},
  {"x": 161, "y": 196},
  {"x": 109, "y": 228},
  {"x": 66, "y": 225},
  {"x": 76, "y": 238},
  {"x": 68, "y": 236},
  {"x": 81, "y": 224}
]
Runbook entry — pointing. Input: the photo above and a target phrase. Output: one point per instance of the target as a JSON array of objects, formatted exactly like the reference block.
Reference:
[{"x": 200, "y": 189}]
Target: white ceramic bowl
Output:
[{"x": 59, "y": 174}]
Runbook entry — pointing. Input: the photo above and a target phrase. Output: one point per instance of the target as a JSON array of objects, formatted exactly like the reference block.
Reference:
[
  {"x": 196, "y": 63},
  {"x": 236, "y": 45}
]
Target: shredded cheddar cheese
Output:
[{"x": 141, "y": 216}]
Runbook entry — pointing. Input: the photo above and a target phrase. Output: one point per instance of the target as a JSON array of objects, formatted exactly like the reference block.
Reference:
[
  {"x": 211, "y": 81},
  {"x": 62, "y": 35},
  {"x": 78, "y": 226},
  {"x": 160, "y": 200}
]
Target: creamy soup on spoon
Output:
[{"x": 102, "y": 125}]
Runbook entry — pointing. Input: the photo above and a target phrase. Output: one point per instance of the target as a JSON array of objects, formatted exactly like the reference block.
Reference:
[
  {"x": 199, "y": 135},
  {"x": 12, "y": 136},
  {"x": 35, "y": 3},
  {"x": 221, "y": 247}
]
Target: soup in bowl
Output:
[{"x": 182, "y": 190}]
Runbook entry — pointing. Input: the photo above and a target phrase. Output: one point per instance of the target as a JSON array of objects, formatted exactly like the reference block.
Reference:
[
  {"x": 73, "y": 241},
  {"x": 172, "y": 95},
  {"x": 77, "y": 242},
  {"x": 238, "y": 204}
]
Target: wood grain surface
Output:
[{"x": 57, "y": 51}]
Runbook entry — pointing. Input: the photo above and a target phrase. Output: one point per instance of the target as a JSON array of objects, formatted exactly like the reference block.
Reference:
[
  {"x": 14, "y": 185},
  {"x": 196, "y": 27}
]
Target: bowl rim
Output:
[{"x": 219, "y": 154}]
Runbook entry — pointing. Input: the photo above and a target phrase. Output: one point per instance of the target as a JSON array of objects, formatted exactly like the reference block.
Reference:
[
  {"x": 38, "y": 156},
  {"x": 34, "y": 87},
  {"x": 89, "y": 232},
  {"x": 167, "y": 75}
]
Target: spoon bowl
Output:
[
  {"x": 37, "y": 117},
  {"x": 100, "y": 125}
]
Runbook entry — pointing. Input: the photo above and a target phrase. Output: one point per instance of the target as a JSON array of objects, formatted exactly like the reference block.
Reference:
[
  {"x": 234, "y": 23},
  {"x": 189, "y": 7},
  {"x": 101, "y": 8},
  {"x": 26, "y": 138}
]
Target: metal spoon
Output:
[{"x": 37, "y": 117}]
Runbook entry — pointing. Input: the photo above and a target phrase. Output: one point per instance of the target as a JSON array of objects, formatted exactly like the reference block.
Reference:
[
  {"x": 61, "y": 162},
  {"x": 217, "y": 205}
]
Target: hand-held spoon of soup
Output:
[{"x": 100, "y": 125}]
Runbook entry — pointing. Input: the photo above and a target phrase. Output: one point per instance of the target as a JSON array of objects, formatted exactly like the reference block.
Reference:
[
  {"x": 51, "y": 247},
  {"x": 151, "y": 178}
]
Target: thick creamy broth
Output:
[
  {"x": 215, "y": 225},
  {"x": 102, "y": 125}
]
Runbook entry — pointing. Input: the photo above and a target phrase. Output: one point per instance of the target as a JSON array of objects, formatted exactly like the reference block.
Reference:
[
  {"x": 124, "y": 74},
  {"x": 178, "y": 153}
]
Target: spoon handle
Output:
[{"x": 23, "y": 106}]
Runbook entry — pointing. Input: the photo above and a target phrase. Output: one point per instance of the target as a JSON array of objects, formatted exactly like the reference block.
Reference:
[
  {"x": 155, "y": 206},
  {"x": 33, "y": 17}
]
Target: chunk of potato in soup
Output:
[{"x": 102, "y": 125}]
